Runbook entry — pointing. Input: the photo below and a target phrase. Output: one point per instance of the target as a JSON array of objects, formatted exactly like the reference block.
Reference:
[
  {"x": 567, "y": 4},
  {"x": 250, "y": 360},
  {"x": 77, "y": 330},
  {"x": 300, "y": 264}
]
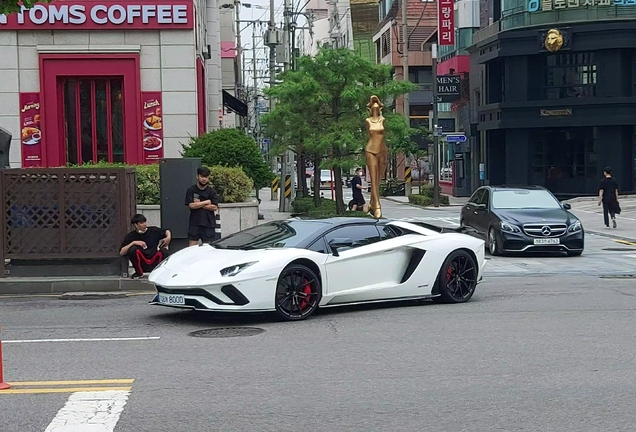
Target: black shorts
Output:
[
  {"x": 203, "y": 233},
  {"x": 359, "y": 200}
]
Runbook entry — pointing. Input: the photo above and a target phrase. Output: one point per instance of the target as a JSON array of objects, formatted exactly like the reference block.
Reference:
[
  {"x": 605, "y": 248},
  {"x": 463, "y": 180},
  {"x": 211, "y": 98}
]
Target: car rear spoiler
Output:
[{"x": 440, "y": 229}]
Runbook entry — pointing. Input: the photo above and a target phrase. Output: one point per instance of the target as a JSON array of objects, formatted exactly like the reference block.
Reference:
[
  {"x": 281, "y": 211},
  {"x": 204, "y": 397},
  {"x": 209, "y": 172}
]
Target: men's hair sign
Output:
[{"x": 102, "y": 15}]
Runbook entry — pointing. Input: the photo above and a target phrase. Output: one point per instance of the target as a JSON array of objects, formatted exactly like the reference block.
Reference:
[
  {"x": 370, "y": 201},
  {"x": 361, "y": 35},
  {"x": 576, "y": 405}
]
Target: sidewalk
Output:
[
  {"x": 269, "y": 208},
  {"x": 591, "y": 216},
  {"x": 453, "y": 202}
]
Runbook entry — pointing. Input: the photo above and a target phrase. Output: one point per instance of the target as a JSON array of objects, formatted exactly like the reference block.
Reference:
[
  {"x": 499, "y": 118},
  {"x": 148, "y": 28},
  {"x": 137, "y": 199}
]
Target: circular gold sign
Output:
[{"x": 553, "y": 40}]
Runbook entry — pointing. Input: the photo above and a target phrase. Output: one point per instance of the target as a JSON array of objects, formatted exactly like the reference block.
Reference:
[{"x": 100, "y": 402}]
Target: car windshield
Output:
[
  {"x": 276, "y": 234},
  {"x": 524, "y": 199}
]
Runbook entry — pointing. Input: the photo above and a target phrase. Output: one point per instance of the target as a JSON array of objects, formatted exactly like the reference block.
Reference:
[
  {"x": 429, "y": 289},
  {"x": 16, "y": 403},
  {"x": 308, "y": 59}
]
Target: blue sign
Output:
[{"x": 456, "y": 138}]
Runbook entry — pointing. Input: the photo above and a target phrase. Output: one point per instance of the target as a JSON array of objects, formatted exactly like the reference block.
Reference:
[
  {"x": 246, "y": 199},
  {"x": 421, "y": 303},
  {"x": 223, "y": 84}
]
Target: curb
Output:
[
  {"x": 441, "y": 207},
  {"x": 612, "y": 236},
  {"x": 56, "y": 286}
]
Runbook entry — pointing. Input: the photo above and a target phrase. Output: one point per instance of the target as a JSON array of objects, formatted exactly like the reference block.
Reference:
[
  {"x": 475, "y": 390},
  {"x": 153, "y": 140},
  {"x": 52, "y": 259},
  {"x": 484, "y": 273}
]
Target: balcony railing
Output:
[{"x": 486, "y": 32}]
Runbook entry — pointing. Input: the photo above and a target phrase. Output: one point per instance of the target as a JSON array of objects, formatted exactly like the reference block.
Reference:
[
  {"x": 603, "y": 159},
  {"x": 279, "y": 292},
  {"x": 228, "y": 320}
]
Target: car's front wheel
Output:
[
  {"x": 492, "y": 242},
  {"x": 298, "y": 292},
  {"x": 458, "y": 277}
]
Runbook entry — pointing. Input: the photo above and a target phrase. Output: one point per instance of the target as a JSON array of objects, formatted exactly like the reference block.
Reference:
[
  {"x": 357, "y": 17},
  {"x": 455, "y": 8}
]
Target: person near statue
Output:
[{"x": 376, "y": 153}]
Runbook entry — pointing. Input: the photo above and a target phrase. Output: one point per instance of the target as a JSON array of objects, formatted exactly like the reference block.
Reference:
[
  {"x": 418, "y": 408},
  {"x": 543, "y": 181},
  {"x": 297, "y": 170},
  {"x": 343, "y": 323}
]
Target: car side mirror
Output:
[
  {"x": 567, "y": 206},
  {"x": 341, "y": 242}
]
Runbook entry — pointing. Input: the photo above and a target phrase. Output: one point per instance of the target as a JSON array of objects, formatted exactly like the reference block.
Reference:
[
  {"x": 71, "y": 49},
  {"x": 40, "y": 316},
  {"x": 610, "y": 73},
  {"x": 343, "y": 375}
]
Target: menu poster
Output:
[
  {"x": 30, "y": 130},
  {"x": 152, "y": 126}
]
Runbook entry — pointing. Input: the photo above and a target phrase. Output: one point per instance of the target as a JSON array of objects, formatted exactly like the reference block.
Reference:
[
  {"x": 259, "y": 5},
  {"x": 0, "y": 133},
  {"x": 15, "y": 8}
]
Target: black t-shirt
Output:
[
  {"x": 609, "y": 185},
  {"x": 356, "y": 180},
  {"x": 152, "y": 237},
  {"x": 202, "y": 217}
]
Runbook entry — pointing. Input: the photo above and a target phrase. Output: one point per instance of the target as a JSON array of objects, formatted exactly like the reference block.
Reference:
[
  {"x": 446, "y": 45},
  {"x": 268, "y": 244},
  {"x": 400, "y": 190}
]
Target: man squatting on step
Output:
[{"x": 145, "y": 246}]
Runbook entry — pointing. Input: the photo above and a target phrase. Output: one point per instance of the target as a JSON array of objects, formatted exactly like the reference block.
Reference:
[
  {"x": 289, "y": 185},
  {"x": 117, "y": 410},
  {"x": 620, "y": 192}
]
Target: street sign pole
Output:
[{"x": 435, "y": 134}]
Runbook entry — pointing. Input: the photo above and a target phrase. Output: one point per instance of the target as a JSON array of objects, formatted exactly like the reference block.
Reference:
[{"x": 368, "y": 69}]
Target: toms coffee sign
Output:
[{"x": 448, "y": 88}]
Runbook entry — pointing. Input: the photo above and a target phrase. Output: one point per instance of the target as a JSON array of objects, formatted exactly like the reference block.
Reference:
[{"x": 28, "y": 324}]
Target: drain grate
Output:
[
  {"x": 618, "y": 276},
  {"x": 620, "y": 249},
  {"x": 227, "y": 332}
]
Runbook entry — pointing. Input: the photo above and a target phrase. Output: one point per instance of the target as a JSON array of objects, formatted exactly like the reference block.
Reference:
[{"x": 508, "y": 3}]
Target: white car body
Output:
[{"x": 191, "y": 278}]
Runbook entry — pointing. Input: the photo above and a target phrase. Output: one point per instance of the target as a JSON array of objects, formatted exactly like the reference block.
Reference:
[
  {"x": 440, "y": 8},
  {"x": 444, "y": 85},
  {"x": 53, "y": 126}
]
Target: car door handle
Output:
[{"x": 390, "y": 250}]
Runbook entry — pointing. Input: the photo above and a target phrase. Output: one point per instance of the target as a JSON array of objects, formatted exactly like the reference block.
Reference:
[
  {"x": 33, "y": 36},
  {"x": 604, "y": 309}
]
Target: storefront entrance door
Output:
[
  {"x": 92, "y": 108},
  {"x": 93, "y": 119}
]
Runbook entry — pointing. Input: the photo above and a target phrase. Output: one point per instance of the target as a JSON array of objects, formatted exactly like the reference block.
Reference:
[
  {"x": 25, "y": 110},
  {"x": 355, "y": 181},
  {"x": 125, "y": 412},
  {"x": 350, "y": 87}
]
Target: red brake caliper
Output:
[
  {"x": 307, "y": 290},
  {"x": 449, "y": 273}
]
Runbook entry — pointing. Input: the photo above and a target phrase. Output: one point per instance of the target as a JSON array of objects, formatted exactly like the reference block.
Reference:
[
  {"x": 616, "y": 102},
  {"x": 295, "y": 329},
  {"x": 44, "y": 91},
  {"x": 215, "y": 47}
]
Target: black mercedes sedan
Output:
[{"x": 522, "y": 219}]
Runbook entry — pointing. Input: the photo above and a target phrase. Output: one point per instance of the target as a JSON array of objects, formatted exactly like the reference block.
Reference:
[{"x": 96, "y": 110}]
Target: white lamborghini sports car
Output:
[{"x": 296, "y": 266}]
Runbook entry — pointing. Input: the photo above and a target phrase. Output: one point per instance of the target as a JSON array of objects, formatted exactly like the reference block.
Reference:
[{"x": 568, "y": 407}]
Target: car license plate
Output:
[
  {"x": 547, "y": 241},
  {"x": 172, "y": 299}
]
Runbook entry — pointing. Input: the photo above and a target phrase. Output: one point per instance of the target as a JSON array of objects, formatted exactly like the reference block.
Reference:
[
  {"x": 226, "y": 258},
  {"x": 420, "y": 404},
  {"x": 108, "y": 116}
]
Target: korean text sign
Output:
[{"x": 446, "y": 22}]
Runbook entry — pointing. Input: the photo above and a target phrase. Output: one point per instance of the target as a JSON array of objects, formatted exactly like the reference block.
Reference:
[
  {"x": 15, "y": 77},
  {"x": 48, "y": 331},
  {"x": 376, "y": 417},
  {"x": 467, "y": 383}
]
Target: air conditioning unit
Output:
[{"x": 273, "y": 37}]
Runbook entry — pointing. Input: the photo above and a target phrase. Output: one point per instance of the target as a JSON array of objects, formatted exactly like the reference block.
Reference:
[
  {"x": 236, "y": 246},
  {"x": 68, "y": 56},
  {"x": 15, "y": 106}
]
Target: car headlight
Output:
[
  {"x": 576, "y": 226},
  {"x": 235, "y": 269},
  {"x": 509, "y": 227}
]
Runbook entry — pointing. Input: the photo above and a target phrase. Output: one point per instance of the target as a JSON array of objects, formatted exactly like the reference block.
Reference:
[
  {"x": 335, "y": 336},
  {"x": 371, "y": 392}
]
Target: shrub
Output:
[
  {"x": 231, "y": 148},
  {"x": 231, "y": 183},
  {"x": 421, "y": 200},
  {"x": 427, "y": 190},
  {"x": 305, "y": 207},
  {"x": 148, "y": 186}
]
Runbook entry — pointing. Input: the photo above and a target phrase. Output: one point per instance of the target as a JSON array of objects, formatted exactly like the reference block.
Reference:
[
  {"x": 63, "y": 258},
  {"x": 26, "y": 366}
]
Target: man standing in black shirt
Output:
[
  {"x": 356, "y": 186},
  {"x": 608, "y": 196},
  {"x": 145, "y": 246},
  {"x": 203, "y": 202}
]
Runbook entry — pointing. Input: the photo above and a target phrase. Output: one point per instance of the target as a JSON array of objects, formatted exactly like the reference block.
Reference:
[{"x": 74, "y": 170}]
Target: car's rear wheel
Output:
[
  {"x": 298, "y": 292},
  {"x": 458, "y": 277}
]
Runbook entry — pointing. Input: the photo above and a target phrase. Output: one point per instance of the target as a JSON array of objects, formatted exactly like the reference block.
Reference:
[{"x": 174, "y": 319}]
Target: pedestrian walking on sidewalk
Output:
[{"x": 608, "y": 196}]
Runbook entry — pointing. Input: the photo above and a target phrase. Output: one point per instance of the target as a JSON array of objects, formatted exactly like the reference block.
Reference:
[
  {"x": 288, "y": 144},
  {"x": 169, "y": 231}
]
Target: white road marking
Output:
[
  {"x": 90, "y": 412},
  {"x": 82, "y": 340}
]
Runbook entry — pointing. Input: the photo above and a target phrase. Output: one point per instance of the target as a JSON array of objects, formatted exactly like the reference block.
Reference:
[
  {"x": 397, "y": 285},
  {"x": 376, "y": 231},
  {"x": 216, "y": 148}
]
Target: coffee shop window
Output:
[
  {"x": 93, "y": 119},
  {"x": 570, "y": 75}
]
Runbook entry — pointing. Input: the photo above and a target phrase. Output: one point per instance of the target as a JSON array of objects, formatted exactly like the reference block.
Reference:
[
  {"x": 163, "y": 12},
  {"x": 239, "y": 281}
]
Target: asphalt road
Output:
[{"x": 540, "y": 353}]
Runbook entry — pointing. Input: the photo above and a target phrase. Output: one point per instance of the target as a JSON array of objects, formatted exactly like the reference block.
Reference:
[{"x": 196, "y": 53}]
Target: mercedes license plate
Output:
[
  {"x": 172, "y": 299},
  {"x": 546, "y": 241}
]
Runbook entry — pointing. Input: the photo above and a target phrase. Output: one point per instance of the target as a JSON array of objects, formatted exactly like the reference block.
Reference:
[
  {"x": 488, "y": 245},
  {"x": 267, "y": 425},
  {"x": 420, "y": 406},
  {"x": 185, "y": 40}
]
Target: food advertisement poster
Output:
[
  {"x": 30, "y": 130},
  {"x": 152, "y": 126}
]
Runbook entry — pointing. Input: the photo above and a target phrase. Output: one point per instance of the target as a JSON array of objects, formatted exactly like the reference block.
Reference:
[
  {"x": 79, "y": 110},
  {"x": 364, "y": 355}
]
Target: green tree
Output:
[
  {"x": 11, "y": 6},
  {"x": 231, "y": 148},
  {"x": 323, "y": 105}
]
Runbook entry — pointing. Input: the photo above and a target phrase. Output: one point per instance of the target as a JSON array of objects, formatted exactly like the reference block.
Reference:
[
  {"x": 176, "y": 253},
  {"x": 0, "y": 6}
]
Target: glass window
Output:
[
  {"x": 571, "y": 75},
  {"x": 271, "y": 235},
  {"x": 476, "y": 198},
  {"x": 360, "y": 234},
  {"x": 524, "y": 199},
  {"x": 387, "y": 232},
  {"x": 319, "y": 246},
  {"x": 94, "y": 120}
]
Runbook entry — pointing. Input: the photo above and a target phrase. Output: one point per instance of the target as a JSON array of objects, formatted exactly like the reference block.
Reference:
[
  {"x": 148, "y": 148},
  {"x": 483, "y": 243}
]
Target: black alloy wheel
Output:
[
  {"x": 458, "y": 277},
  {"x": 298, "y": 292}
]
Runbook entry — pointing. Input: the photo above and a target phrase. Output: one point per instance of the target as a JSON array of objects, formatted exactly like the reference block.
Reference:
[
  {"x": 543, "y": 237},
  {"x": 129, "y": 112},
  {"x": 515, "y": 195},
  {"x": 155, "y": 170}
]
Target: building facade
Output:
[
  {"x": 329, "y": 23},
  {"x": 85, "y": 81},
  {"x": 556, "y": 94}
]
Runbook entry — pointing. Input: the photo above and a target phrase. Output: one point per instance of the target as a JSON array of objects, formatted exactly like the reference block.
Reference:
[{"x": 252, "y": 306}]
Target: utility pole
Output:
[
  {"x": 435, "y": 130},
  {"x": 288, "y": 157},
  {"x": 239, "y": 56},
  {"x": 254, "y": 84},
  {"x": 405, "y": 76},
  {"x": 272, "y": 83}
]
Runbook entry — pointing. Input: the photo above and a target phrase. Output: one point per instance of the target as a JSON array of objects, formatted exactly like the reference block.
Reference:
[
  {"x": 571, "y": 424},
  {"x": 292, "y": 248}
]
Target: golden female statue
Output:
[{"x": 376, "y": 153}]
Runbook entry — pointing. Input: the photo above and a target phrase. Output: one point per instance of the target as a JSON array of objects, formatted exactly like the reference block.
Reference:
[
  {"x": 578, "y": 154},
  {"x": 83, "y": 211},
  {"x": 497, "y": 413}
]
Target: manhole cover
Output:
[
  {"x": 620, "y": 249},
  {"x": 227, "y": 332}
]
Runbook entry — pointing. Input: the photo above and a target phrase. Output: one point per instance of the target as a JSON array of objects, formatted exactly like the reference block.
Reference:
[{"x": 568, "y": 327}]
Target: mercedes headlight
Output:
[
  {"x": 509, "y": 227},
  {"x": 235, "y": 269},
  {"x": 575, "y": 226}
]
